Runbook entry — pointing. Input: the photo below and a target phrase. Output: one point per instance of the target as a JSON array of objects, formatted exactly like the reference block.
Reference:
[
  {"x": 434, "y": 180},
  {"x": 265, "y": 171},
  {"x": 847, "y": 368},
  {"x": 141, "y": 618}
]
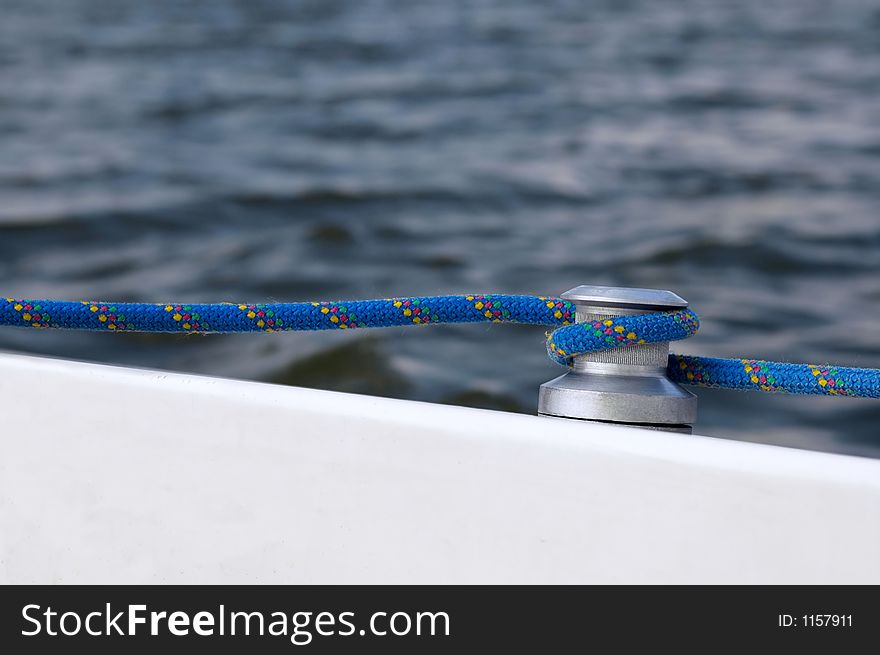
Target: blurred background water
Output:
[{"x": 271, "y": 150}]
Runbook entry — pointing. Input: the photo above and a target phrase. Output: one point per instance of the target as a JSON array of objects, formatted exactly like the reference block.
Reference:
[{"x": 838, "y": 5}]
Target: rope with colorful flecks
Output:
[{"x": 568, "y": 340}]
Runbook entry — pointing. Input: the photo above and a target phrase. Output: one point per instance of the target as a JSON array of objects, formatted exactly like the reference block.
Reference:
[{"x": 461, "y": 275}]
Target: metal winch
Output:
[{"x": 622, "y": 385}]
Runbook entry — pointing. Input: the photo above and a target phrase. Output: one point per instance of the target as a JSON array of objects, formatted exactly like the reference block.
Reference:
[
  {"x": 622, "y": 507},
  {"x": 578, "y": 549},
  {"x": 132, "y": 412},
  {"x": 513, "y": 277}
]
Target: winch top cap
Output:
[{"x": 625, "y": 298}]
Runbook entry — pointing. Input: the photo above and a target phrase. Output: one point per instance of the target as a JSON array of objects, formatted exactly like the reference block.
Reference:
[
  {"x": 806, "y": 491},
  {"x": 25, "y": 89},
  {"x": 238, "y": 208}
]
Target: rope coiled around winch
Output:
[{"x": 568, "y": 340}]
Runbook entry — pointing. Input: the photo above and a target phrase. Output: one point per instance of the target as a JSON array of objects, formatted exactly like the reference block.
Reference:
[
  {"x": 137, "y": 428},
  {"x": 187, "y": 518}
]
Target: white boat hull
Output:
[{"x": 114, "y": 475}]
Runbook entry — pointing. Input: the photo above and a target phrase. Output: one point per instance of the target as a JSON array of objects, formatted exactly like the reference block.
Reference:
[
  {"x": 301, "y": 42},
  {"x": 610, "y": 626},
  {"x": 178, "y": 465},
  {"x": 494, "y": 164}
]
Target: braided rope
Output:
[
  {"x": 620, "y": 331},
  {"x": 274, "y": 317},
  {"x": 568, "y": 340},
  {"x": 779, "y": 377}
]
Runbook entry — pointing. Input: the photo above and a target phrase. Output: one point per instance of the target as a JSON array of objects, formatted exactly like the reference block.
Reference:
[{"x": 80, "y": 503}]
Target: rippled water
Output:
[{"x": 208, "y": 151}]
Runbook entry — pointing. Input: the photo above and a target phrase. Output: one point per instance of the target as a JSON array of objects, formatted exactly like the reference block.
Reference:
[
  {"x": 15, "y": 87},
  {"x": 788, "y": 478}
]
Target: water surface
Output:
[{"x": 269, "y": 150}]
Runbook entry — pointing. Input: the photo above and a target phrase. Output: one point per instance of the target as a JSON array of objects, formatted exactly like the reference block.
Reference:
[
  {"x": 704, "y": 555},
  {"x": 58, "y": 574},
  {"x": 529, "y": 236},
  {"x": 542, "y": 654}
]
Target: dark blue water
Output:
[{"x": 256, "y": 150}]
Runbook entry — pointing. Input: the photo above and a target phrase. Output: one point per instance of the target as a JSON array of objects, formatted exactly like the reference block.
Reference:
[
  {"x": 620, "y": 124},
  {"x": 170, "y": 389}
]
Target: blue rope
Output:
[{"x": 568, "y": 340}]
